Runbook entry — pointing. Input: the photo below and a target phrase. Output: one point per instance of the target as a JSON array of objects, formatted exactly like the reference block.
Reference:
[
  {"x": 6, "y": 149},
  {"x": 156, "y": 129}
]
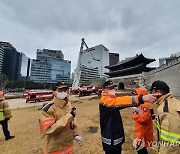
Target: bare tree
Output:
[{"x": 3, "y": 81}]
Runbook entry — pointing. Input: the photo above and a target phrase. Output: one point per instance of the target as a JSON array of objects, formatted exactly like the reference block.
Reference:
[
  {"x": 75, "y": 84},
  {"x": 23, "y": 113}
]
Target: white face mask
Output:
[
  {"x": 112, "y": 92},
  {"x": 61, "y": 95}
]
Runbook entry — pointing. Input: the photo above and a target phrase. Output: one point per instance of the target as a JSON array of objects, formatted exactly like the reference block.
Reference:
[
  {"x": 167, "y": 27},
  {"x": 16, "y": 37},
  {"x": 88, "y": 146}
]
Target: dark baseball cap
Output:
[
  {"x": 108, "y": 84},
  {"x": 160, "y": 85},
  {"x": 61, "y": 85}
]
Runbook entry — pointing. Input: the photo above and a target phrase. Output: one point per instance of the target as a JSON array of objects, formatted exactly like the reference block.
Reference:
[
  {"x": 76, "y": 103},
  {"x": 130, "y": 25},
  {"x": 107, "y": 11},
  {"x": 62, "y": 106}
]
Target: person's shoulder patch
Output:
[
  {"x": 108, "y": 99},
  {"x": 144, "y": 109}
]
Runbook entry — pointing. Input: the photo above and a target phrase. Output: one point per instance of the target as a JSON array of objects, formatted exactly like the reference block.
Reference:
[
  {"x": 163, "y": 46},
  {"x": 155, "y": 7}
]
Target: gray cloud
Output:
[{"x": 124, "y": 26}]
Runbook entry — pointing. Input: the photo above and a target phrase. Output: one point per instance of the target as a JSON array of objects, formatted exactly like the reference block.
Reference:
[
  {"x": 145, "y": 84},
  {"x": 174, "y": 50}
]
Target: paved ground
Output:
[
  {"x": 14, "y": 94},
  {"x": 21, "y": 103}
]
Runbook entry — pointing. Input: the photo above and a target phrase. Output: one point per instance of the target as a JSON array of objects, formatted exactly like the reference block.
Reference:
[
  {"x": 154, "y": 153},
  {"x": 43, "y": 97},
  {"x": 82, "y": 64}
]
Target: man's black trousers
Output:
[
  {"x": 4, "y": 124},
  {"x": 114, "y": 151}
]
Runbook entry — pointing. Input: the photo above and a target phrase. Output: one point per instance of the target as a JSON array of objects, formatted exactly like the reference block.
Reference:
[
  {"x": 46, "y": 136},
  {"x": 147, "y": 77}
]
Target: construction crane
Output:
[
  {"x": 83, "y": 43},
  {"x": 77, "y": 73}
]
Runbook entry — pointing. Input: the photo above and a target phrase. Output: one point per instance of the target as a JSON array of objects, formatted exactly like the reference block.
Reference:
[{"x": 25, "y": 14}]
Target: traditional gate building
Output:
[
  {"x": 129, "y": 73},
  {"x": 133, "y": 72}
]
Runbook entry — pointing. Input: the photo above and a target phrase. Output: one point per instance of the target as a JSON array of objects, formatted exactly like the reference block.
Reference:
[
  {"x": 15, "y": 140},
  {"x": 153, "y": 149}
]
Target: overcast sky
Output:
[{"x": 128, "y": 27}]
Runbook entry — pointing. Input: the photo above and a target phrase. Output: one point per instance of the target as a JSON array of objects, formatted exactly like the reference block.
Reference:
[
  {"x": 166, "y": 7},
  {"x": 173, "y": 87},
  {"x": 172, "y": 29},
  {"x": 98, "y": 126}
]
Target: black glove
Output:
[
  {"x": 72, "y": 111},
  {"x": 152, "y": 114},
  {"x": 7, "y": 118}
]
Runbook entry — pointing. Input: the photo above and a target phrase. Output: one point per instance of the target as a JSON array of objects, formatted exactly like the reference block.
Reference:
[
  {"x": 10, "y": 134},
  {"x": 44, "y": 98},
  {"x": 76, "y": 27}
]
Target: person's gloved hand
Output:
[
  {"x": 78, "y": 138},
  {"x": 8, "y": 118},
  {"x": 73, "y": 111},
  {"x": 153, "y": 116}
]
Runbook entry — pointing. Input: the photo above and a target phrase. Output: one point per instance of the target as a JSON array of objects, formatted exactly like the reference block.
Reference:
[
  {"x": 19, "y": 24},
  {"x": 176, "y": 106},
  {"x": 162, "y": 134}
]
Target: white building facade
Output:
[{"x": 90, "y": 65}]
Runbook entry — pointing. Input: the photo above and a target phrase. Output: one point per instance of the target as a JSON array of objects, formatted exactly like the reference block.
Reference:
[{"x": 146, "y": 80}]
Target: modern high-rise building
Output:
[
  {"x": 90, "y": 65},
  {"x": 166, "y": 60},
  {"x": 25, "y": 67},
  {"x": 50, "y": 67},
  {"x": 11, "y": 61},
  {"x": 1, "y": 58},
  {"x": 46, "y": 54},
  {"x": 113, "y": 58}
]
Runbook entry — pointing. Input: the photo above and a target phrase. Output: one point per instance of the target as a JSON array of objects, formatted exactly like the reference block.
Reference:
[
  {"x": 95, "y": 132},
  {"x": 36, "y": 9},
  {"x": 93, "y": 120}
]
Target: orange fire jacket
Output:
[{"x": 143, "y": 122}]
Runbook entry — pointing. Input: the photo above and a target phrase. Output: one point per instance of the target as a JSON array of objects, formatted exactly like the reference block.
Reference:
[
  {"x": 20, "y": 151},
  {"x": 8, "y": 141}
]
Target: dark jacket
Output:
[{"x": 112, "y": 131}]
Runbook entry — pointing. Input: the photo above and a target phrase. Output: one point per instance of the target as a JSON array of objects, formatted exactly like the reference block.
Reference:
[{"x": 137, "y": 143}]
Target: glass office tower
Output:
[
  {"x": 11, "y": 61},
  {"x": 50, "y": 67}
]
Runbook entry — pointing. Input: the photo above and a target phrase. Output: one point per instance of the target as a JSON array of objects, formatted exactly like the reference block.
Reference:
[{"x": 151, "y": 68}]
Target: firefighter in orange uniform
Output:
[
  {"x": 143, "y": 124},
  {"x": 57, "y": 123},
  {"x": 112, "y": 131}
]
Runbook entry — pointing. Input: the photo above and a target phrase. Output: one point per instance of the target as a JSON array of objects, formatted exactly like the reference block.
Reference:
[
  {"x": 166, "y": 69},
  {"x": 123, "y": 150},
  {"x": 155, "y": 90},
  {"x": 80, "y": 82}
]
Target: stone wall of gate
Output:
[{"x": 170, "y": 73}]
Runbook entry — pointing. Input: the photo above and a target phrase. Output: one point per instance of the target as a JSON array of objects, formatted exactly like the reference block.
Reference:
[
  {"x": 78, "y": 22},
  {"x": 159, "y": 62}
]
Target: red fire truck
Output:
[
  {"x": 25, "y": 93},
  {"x": 39, "y": 95},
  {"x": 87, "y": 90}
]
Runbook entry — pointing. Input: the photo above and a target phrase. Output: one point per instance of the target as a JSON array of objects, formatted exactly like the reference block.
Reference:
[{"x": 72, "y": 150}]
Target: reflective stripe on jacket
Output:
[
  {"x": 4, "y": 110},
  {"x": 168, "y": 120},
  {"x": 168, "y": 136},
  {"x": 67, "y": 150},
  {"x": 57, "y": 127}
]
